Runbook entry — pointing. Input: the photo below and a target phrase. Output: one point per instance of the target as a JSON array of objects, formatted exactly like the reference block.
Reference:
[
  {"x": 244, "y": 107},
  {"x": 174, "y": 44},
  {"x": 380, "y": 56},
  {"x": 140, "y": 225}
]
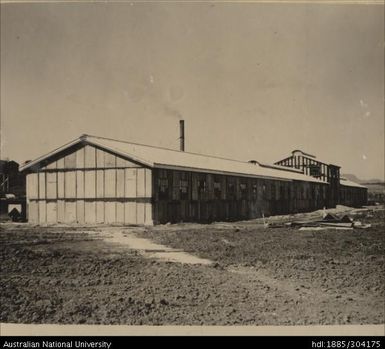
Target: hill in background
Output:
[{"x": 354, "y": 178}]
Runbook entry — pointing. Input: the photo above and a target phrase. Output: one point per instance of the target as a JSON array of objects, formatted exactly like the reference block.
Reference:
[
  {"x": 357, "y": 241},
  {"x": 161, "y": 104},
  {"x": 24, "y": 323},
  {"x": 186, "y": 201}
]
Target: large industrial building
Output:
[{"x": 99, "y": 180}]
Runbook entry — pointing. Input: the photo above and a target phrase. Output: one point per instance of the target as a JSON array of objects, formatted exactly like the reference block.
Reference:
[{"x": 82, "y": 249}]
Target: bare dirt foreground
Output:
[{"x": 250, "y": 275}]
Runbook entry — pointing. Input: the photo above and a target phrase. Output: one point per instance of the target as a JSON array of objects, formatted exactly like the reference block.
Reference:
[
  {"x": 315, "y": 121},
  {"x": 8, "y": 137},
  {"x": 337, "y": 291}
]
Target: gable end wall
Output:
[{"x": 89, "y": 185}]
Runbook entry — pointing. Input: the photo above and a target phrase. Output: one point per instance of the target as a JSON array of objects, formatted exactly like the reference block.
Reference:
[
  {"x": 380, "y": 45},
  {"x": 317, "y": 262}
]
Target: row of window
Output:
[{"x": 262, "y": 190}]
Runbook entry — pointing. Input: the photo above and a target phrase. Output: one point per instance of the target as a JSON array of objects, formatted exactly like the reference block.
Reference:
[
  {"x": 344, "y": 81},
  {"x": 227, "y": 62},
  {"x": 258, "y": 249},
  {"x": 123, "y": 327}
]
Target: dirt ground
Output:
[{"x": 258, "y": 275}]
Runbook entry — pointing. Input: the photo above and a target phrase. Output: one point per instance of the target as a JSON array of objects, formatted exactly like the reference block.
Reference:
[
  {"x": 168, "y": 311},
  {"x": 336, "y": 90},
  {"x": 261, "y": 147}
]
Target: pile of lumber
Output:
[{"x": 329, "y": 221}]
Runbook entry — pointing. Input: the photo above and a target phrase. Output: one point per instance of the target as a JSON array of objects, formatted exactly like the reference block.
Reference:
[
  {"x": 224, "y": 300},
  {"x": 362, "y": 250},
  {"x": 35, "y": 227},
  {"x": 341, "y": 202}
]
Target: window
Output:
[
  {"x": 243, "y": 190},
  {"x": 230, "y": 189},
  {"x": 202, "y": 187},
  {"x": 254, "y": 190},
  {"x": 163, "y": 188},
  {"x": 217, "y": 188},
  {"x": 315, "y": 170},
  {"x": 183, "y": 189}
]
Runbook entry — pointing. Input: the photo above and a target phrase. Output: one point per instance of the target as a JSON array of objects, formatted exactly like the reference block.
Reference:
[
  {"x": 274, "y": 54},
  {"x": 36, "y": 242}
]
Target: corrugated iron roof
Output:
[
  {"x": 157, "y": 157},
  {"x": 348, "y": 183}
]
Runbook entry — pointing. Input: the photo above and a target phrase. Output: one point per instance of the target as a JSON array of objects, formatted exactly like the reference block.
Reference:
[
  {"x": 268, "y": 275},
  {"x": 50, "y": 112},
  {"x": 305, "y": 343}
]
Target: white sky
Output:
[{"x": 252, "y": 81}]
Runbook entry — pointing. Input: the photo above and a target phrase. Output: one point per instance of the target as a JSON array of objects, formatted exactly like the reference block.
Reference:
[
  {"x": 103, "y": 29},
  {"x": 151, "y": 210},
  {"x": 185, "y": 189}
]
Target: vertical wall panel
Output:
[
  {"x": 237, "y": 188},
  {"x": 210, "y": 186},
  {"x": 148, "y": 183},
  {"x": 156, "y": 183},
  {"x": 110, "y": 183},
  {"x": 60, "y": 163},
  {"x": 70, "y": 160},
  {"x": 148, "y": 214},
  {"x": 99, "y": 158},
  {"x": 130, "y": 213},
  {"x": 140, "y": 214},
  {"x": 120, "y": 212},
  {"x": 33, "y": 212},
  {"x": 194, "y": 186},
  {"x": 90, "y": 212},
  {"x": 109, "y": 160},
  {"x": 110, "y": 212},
  {"x": 141, "y": 182},
  {"x": 99, "y": 212},
  {"x": 51, "y": 212},
  {"x": 61, "y": 211},
  {"x": 89, "y": 157},
  {"x": 60, "y": 185},
  {"x": 42, "y": 185},
  {"x": 175, "y": 184},
  {"x": 223, "y": 187},
  {"x": 90, "y": 184},
  {"x": 120, "y": 183},
  {"x": 80, "y": 214},
  {"x": 130, "y": 186},
  {"x": 42, "y": 212},
  {"x": 70, "y": 212},
  {"x": 51, "y": 185},
  {"x": 276, "y": 190},
  {"x": 80, "y": 184},
  {"x": 100, "y": 184},
  {"x": 80, "y": 158},
  {"x": 70, "y": 184},
  {"x": 33, "y": 186},
  {"x": 120, "y": 162}
]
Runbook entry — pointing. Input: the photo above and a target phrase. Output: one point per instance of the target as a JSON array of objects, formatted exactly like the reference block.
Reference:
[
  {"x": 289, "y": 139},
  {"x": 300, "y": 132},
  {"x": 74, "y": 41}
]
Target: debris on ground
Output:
[{"x": 329, "y": 221}]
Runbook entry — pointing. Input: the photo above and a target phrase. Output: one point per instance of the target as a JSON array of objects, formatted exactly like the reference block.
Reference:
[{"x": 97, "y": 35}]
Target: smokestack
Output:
[{"x": 181, "y": 138}]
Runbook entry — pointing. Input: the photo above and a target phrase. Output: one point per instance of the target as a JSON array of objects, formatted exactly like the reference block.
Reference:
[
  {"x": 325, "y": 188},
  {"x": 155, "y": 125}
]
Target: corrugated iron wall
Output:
[
  {"x": 204, "y": 197},
  {"x": 353, "y": 196},
  {"x": 90, "y": 185}
]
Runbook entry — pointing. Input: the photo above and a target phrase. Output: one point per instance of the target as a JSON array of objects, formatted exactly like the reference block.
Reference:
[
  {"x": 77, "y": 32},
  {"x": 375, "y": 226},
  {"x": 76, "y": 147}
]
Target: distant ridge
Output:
[{"x": 354, "y": 178}]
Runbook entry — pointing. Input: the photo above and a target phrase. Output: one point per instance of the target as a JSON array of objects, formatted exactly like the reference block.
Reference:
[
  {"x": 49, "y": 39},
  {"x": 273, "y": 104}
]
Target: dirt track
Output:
[{"x": 273, "y": 276}]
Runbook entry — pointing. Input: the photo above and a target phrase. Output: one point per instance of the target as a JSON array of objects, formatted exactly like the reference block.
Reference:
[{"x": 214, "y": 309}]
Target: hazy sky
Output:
[{"x": 252, "y": 81}]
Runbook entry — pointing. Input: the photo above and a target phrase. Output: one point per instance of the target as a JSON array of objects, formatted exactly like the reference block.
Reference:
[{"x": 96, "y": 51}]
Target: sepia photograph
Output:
[{"x": 200, "y": 167}]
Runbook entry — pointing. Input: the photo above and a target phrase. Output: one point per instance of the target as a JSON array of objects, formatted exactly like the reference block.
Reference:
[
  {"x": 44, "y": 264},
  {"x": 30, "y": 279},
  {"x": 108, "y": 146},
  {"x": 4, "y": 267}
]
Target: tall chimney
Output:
[{"x": 181, "y": 138}]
